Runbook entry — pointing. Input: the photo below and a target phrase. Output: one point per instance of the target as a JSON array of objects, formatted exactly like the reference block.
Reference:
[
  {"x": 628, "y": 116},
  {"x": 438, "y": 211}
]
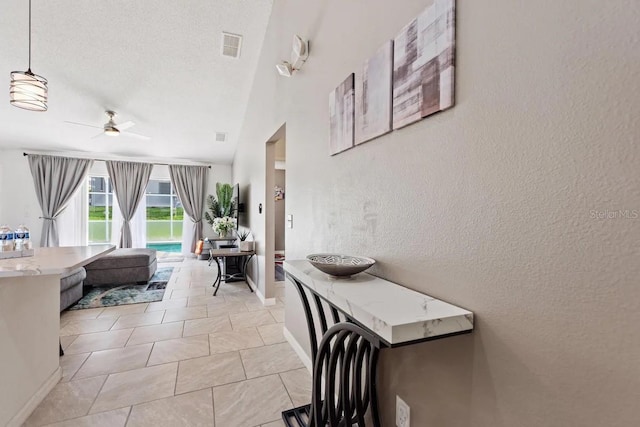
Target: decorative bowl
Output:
[{"x": 340, "y": 265}]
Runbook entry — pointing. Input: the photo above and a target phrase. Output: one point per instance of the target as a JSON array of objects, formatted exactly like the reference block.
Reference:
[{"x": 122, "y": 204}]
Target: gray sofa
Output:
[
  {"x": 121, "y": 267},
  {"x": 71, "y": 287}
]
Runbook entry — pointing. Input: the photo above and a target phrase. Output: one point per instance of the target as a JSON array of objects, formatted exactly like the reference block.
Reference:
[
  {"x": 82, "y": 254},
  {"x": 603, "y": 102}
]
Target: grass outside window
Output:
[{"x": 153, "y": 213}]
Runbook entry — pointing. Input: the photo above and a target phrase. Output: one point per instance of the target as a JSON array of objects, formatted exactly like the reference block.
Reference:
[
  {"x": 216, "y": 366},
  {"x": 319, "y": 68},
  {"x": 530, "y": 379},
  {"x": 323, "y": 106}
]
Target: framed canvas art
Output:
[
  {"x": 374, "y": 95},
  {"x": 341, "y": 116},
  {"x": 423, "y": 65}
]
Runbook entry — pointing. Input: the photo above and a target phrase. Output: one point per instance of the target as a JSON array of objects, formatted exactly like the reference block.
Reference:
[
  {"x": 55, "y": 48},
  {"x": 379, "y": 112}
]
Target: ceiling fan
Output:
[{"x": 111, "y": 128}]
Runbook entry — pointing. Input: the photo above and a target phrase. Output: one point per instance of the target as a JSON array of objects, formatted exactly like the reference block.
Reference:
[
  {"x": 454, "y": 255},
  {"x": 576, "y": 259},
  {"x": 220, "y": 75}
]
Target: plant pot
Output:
[{"x": 246, "y": 246}]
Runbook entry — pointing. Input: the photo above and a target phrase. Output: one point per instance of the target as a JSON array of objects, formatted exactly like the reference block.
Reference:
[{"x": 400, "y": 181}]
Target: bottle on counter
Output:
[
  {"x": 22, "y": 238},
  {"x": 6, "y": 238},
  {"x": 27, "y": 238}
]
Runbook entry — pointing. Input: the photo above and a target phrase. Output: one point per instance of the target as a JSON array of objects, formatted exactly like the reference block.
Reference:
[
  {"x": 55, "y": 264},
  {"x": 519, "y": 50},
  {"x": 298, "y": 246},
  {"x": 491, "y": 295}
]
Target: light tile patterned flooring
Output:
[{"x": 189, "y": 360}]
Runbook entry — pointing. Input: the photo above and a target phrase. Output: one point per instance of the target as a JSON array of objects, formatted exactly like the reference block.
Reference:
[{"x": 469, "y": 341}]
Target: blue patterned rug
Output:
[{"x": 108, "y": 296}]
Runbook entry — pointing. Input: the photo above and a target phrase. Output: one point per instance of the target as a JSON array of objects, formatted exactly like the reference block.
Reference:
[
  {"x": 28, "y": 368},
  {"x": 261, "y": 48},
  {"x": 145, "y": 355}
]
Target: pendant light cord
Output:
[{"x": 29, "y": 36}]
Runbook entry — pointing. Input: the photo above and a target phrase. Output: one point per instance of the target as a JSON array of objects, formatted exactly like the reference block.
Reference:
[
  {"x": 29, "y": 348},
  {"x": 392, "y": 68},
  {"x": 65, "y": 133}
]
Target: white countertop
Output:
[
  {"x": 53, "y": 260},
  {"x": 395, "y": 313}
]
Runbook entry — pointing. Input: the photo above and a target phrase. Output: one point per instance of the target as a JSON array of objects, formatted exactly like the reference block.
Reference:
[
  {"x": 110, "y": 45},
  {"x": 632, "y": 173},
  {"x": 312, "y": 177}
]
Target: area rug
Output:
[
  {"x": 168, "y": 257},
  {"x": 109, "y": 296}
]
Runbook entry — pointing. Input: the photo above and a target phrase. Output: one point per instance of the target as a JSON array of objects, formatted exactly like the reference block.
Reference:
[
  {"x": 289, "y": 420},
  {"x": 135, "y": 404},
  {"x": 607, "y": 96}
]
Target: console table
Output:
[
  {"x": 223, "y": 254},
  {"x": 30, "y": 325},
  {"x": 368, "y": 314}
]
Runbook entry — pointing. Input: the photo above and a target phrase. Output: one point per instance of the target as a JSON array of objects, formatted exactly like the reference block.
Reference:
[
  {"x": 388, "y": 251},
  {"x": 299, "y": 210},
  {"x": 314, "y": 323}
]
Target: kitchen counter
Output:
[
  {"x": 52, "y": 260},
  {"x": 30, "y": 326}
]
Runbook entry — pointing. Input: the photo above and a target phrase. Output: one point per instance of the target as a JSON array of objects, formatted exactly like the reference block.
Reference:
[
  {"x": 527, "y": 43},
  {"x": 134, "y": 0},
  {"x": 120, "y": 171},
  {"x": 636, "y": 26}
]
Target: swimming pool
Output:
[{"x": 166, "y": 247}]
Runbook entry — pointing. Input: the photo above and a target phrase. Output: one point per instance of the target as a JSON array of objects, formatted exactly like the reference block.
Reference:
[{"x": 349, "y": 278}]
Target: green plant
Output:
[
  {"x": 242, "y": 235},
  {"x": 222, "y": 204}
]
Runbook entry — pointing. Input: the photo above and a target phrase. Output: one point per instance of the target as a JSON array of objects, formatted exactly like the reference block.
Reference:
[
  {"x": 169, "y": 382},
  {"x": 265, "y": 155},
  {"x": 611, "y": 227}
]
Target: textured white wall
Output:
[
  {"x": 487, "y": 205},
  {"x": 18, "y": 201}
]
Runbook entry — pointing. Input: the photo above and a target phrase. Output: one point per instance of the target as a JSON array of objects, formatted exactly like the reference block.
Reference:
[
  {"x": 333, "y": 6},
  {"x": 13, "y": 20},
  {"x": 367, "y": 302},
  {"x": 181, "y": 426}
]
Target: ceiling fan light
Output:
[
  {"x": 111, "y": 131},
  {"x": 28, "y": 91}
]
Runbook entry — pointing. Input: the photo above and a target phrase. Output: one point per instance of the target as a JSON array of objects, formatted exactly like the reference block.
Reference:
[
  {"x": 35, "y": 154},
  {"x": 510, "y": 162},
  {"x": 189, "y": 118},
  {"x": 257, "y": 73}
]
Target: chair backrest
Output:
[{"x": 346, "y": 359}]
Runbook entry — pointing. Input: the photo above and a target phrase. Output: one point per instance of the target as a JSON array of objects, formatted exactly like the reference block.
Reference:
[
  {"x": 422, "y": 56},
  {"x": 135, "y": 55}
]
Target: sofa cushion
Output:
[
  {"x": 124, "y": 258},
  {"x": 72, "y": 278}
]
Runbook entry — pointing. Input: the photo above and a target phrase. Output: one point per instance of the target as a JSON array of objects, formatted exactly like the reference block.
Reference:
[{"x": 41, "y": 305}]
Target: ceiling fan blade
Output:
[
  {"x": 83, "y": 124},
  {"x": 98, "y": 135},
  {"x": 126, "y": 125},
  {"x": 135, "y": 135}
]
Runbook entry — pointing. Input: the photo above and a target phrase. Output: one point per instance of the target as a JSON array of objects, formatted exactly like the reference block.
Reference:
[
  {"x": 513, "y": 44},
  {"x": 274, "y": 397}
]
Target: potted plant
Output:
[
  {"x": 244, "y": 244},
  {"x": 222, "y": 204},
  {"x": 223, "y": 226}
]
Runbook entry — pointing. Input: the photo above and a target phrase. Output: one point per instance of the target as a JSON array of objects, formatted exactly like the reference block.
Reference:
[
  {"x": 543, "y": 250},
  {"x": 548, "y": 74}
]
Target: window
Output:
[
  {"x": 100, "y": 209},
  {"x": 164, "y": 212}
]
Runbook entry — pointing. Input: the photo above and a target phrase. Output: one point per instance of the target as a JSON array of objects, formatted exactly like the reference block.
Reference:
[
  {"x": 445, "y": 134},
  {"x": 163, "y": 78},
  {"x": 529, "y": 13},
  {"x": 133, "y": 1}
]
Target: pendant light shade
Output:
[{"x": 27, "y": 90}]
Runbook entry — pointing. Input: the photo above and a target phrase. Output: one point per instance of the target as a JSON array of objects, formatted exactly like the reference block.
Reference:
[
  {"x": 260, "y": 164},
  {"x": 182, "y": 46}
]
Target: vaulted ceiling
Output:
[{"x": 155, "y": 62}]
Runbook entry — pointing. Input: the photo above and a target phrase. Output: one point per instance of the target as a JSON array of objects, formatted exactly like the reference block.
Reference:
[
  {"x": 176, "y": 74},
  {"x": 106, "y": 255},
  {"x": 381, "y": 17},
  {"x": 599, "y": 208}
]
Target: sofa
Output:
[
  {"x": 71, "y": 287},
  {"x": 121, "y": 267}
]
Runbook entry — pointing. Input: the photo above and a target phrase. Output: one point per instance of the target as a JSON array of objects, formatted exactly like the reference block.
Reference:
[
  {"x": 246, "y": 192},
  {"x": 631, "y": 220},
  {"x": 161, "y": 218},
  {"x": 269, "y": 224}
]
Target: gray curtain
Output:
[
  {"x": 56, "y": 180},
  {"x": 190, "y": 183},
  {"x": 129, "y": 181}
]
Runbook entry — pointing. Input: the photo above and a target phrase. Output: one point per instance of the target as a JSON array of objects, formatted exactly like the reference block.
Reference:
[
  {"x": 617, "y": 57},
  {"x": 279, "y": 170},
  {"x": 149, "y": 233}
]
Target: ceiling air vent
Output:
[
  {"x": 221, "y": 137},
  {"x": 231, "y": 44}
]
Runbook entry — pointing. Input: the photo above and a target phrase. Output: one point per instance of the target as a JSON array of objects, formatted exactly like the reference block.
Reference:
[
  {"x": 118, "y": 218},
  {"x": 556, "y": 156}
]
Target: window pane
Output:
[
  {"x": 165, "y": 187},
  {"x": 96, "y": 206},
  {"x": 152, "y": 186},
  {"x": 96, "y": 199},
  {"x": 178, "y": 211},
  {"x": 178, "y": 214},
  {"x": 159, "y": 201},
  {"x": 158, "y": 211},
  {"x": 98, "y": 232},
  {"x": 158, "y": 231},
  {"x": 98, "y": 184},
  {"x": 177, "y": 231}
]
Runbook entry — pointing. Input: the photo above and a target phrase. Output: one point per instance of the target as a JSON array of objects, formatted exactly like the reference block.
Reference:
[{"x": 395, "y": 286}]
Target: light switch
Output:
[{"x": 289, "y": 221}]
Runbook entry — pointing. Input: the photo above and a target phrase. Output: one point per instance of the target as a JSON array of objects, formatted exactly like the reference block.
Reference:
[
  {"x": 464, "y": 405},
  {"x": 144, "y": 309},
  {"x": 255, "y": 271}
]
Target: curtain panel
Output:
[
  {"x": 56, "y": 180},
  {"x": 129, "y": 181},
  {"x": 190, "y": 183}
]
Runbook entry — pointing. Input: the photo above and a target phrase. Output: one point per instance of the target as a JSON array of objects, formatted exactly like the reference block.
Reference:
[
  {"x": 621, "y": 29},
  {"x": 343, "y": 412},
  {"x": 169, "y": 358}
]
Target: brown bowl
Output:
[{"x": 340, "y": 265}]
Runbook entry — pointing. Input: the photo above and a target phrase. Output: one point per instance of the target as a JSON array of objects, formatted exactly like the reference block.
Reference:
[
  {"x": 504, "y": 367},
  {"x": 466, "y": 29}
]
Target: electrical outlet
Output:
[{"x": 403, "y": 413}]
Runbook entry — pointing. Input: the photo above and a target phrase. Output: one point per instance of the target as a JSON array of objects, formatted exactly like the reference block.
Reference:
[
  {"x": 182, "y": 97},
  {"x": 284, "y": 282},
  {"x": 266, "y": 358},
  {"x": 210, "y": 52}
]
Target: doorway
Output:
[
  {"x": 279, "y": 197},
  {"x": 275, "y": 212}
]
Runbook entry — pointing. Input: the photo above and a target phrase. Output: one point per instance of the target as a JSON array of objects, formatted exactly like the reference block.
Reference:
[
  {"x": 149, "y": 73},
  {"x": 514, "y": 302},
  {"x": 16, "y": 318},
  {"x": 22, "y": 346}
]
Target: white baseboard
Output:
[
  {"x": 36, "y": 399},
  {"x": 306, "y": 360},
  {"x": 265, "y": 301}
]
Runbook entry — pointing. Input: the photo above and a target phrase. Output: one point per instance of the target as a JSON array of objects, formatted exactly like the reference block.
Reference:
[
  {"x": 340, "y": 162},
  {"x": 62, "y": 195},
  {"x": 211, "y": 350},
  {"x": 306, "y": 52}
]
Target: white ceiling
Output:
[{"x": 155, "y": 62}]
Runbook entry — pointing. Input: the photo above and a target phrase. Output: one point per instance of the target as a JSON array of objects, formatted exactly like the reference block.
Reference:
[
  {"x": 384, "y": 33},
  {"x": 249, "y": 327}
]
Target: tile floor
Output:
[{"x": 189, "y": 360}]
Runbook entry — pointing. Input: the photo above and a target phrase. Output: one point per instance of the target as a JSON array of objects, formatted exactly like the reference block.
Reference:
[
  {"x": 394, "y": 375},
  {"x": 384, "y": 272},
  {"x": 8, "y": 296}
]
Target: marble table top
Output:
[
  {"x": 229, "y": 252},
  {"x": 53, "y": 260},
  {"x": 396, "y": 314}
]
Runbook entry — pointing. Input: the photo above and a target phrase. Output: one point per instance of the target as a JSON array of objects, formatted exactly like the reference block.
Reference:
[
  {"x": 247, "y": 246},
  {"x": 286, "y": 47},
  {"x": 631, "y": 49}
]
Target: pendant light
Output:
[{"x": 28, "y": 91}]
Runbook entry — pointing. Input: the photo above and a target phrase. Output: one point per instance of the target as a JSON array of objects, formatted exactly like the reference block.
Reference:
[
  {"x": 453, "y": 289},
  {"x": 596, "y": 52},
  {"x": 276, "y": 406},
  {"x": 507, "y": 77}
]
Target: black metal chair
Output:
[{"x": 345, "y": 361}]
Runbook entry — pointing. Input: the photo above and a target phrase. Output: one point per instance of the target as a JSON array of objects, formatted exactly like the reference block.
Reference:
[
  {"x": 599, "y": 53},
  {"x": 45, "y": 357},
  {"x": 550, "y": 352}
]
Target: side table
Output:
[{"x": 222, "y": 254}]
